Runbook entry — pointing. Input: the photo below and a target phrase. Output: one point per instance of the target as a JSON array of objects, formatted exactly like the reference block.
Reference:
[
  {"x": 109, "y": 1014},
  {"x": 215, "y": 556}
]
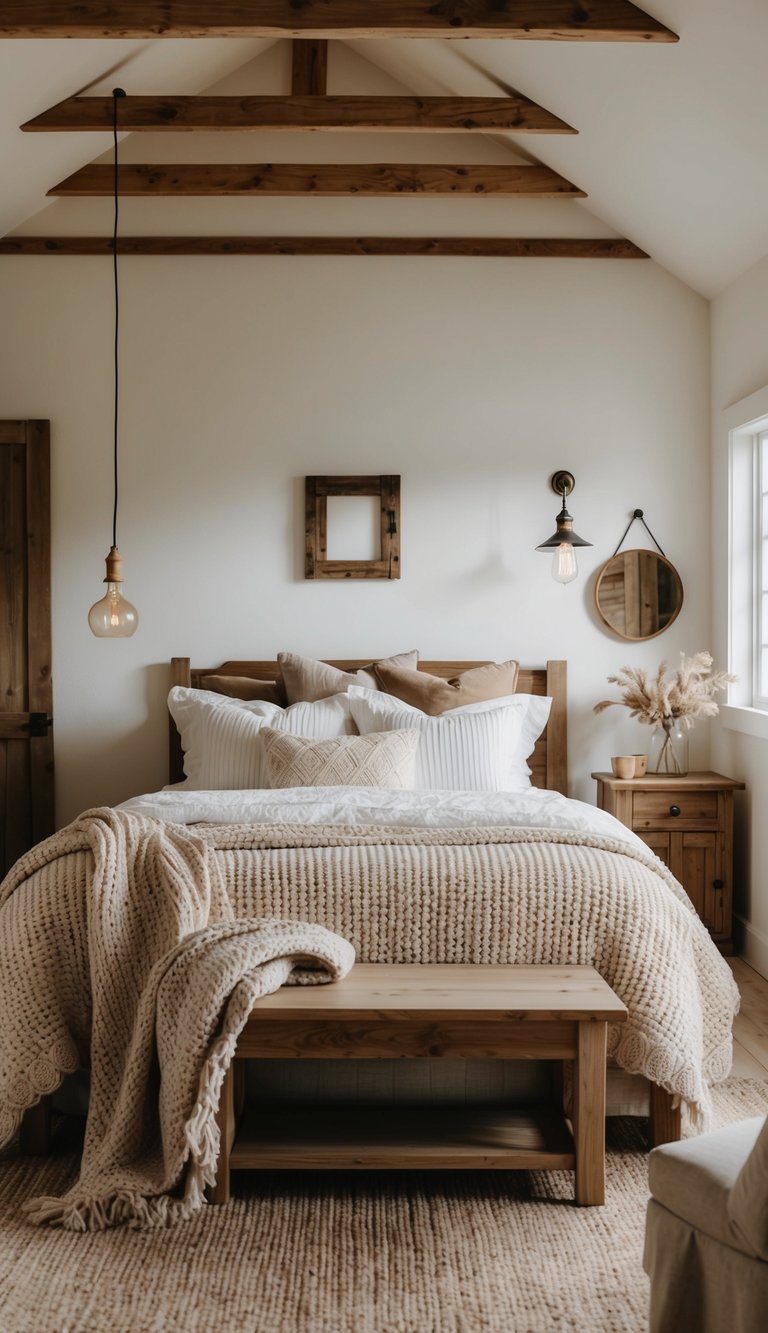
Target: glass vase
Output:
[{"x": 669, "y": 749}]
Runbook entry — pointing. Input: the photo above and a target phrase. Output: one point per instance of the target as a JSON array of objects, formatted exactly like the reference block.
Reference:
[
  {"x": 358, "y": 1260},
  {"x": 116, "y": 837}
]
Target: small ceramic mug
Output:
[
  {"x": 623, "y": 765},
  {"x": 641, "y": 765}
]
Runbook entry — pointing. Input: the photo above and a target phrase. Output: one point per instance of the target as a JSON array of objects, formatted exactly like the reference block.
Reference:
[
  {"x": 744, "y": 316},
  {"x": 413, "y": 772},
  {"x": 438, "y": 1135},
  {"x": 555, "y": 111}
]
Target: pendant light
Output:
[
  {"x": 564, "y": 540},
  {"x": 113, "y": 617}
]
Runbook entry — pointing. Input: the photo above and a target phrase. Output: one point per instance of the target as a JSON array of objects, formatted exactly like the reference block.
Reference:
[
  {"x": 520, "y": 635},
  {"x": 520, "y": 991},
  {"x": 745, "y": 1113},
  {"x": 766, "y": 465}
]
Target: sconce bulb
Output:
[
  {"x": 565, "y": 566},
  {"x": 113, "y": 616}
]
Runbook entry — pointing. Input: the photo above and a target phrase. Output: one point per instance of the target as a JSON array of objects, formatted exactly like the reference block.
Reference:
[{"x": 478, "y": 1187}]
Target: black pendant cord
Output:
[
  {"x": 638, "y": 513},
  {"x": 117, "y": 92}
]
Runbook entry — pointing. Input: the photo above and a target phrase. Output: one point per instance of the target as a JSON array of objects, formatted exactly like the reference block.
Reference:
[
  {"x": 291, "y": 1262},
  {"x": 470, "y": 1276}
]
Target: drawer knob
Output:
[
  {"x": 674, "y": 810},
  {"x": 718, "y": 883}
]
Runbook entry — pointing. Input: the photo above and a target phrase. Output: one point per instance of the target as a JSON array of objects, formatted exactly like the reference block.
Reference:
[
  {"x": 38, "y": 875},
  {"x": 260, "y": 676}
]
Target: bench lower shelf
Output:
[{"x": 386, "y": 1138}]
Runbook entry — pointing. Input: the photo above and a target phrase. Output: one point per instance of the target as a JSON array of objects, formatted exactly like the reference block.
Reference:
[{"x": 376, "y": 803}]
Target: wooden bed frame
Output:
[
  {"x": 549, "y": 761},
  {"x": 549, "y": 765}
]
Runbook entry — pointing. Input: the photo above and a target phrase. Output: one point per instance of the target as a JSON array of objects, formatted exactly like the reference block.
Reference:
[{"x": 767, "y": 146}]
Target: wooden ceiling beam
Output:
[
  {"x": 309, "y": 68},
  {"x": 322, "y": 180},
  {"x": 304, "y": 112},
  {"x": 553, "y": 20},
  {"x": 491, "y": 247}
]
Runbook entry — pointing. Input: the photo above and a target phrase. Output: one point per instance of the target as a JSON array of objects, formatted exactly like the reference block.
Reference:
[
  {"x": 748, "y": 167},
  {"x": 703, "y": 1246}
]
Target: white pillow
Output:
[
  {"x": 538, "y": 707},
  {"x": 466, "y": 749},
  {"x": 506, "y": 770},
  {"x": 536, "y": 710},
  {"x": 220, "y": 735}
]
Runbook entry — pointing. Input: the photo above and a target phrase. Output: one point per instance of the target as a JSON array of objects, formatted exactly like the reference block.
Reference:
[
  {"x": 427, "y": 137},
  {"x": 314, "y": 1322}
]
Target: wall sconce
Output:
[{"x": 563, "y": 541}]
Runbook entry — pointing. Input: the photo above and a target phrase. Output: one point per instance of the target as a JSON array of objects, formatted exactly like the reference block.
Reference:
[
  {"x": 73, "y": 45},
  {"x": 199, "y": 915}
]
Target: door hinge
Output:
[{"x": 39, "y": 724}]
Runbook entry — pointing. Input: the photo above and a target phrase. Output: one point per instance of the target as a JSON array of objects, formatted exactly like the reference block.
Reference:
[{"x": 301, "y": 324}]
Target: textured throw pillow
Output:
[
  {"x": 244, "y": 687},
  {"x": 468, "y": 749},
  {"x": 306, "y": 679},
  {"x": 434, "y": 696},
  {"x": 219, "y": 736},
  {"x": 349, "y": 761}
]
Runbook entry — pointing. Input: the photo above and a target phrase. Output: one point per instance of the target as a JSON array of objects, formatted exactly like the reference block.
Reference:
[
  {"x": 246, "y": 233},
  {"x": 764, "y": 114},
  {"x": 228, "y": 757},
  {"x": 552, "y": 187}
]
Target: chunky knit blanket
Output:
[
  {"x": 119, "y": 953},
  {"x": 119, "y": 928},
  {"x": 510, "y": 895}
]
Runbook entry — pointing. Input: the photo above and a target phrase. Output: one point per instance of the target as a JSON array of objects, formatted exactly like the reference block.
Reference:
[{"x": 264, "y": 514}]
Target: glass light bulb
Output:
[
  {"x": 564, "y": 564},
  {"x": 113, "y": 617}
]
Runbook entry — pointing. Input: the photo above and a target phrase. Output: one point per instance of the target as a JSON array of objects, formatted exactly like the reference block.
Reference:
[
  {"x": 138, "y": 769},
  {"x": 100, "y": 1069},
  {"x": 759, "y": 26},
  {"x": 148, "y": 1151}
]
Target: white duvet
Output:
[{"x": 373, "y": 806}]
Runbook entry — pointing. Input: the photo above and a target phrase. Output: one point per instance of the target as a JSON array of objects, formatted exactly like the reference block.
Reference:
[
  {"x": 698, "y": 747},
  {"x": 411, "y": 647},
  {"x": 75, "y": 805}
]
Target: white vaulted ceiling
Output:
[
  {"x": 38, "y": 74},
  {"x": 671, "y": 146}
]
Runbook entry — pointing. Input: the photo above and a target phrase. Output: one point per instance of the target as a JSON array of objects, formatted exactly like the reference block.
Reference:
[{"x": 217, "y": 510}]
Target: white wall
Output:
[
  {"x": 740, "y": 368},
  {"x": 473, "y": 379}
]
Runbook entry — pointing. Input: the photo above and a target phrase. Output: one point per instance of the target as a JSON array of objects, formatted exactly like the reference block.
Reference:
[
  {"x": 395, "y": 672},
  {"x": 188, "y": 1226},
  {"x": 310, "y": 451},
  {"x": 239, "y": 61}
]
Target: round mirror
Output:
[{"x": 639, "y": 594}]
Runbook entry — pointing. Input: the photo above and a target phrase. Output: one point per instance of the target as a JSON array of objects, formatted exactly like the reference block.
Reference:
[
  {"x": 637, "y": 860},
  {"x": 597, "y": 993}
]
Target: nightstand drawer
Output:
[{"x": 674, "y": 809}]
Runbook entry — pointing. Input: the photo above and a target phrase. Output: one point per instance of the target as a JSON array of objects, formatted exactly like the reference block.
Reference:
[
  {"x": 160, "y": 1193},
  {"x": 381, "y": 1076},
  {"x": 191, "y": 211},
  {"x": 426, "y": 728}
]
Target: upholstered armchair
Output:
[{"x": 706, "y": 1237}]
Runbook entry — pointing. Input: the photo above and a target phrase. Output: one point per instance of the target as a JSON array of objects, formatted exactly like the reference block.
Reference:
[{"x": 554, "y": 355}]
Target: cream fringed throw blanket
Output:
[{"x": 119, "y": 953}]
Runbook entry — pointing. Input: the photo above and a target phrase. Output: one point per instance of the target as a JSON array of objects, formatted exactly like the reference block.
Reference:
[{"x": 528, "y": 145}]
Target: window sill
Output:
[{"x": 750, "y": 721}]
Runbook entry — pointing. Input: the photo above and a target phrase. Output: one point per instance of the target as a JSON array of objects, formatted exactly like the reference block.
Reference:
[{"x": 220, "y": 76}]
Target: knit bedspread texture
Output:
[{"x": 136, "y": 949}]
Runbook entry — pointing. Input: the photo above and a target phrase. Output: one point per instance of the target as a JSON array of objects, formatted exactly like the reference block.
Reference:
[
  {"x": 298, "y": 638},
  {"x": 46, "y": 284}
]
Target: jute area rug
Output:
[{"x": 446, "y": 1253}]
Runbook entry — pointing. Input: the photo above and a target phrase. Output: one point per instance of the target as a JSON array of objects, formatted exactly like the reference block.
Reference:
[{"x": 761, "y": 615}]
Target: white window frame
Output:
[
  {"x": 739, "y": 592},
  {"x": 760, "y": 577}
]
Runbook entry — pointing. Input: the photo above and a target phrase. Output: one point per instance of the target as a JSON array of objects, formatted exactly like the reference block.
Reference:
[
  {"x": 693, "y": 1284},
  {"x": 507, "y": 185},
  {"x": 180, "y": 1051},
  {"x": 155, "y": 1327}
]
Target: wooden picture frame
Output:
[{"x": 386, "y": 489}]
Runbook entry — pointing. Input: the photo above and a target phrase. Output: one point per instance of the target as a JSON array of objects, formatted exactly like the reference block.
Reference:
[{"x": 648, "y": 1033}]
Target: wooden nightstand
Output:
[{"x": 688, "y": 822}]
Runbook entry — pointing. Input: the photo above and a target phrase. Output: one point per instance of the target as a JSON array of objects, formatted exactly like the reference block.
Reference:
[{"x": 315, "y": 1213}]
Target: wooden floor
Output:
[{"x": 750, "y": 1030}]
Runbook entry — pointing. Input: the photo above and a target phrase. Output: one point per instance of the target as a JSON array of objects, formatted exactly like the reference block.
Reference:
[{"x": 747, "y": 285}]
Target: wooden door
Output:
[{"x": 26, "y": 740}]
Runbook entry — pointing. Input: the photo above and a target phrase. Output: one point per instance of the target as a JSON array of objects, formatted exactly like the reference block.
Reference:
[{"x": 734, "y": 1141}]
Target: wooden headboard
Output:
[{"x": 549, "y": 760}]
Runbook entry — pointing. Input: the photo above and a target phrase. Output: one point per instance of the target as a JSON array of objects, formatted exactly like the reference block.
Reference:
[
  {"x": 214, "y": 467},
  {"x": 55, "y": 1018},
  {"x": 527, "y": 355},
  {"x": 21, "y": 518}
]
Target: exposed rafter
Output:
[
  {"x": 491, "y": 247},
  {"x": 556, "y": 20},
  {"x": 342, "y": 179},
  {"x": 301, "y": 112},
  {"x": 309, "y": 68}
]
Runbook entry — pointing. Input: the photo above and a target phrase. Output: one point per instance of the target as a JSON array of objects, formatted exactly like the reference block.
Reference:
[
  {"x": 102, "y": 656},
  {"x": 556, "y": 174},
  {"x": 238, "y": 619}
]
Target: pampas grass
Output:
[{"x": 685, "y": 694}]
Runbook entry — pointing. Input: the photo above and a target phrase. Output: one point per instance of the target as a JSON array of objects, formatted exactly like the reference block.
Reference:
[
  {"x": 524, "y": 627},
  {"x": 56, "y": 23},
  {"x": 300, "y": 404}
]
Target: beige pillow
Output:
[
  {"x": 434, "y": 696},
  {"x": 387, "y": 759},
  {"x": 306, "y": 679},
  {"x": 244, "y": 687}
]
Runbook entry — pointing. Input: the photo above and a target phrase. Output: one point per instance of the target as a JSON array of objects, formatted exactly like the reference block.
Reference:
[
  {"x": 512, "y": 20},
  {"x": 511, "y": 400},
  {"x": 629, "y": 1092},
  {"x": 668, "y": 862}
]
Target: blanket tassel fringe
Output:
[{"x": 83, "y": 1212}]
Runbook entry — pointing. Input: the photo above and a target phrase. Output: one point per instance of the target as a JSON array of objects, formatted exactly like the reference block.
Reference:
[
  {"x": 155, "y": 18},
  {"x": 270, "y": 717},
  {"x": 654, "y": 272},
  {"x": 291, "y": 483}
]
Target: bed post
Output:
[
  {"x": 664, "y": 1120},
  {"x": 180, "y": 675},
  {"x": 557, "y": 728},
  {"x": 37, "y": 1129}
]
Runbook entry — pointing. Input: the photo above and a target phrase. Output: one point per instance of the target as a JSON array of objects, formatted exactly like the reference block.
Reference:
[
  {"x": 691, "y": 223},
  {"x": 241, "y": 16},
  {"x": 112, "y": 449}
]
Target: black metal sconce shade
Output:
[
  {"x": 562, "y": 483},
  {"x": 564, "y": 534}
]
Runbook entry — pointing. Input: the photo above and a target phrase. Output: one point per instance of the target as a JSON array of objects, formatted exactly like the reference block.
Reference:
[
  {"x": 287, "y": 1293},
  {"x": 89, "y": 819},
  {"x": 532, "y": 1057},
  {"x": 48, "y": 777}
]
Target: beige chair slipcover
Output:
[{"x": 706, "y": 1239}]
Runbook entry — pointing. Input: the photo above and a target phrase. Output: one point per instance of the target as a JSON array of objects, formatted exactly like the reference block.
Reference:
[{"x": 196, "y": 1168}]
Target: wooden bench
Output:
[{"x": 382, "y": 1011}]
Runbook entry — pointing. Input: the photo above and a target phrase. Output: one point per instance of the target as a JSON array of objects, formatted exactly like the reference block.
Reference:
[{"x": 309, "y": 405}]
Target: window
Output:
[
  {"x": 760, "y": 668},
  {"x": 745, "y": 435}
]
